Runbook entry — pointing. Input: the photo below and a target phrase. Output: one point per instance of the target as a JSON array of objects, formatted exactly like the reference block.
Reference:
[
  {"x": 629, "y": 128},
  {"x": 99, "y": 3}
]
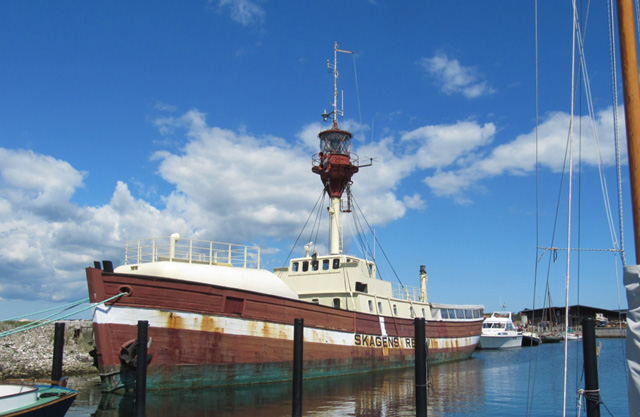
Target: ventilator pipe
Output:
[
  {"x": 172, "y": 245},
  {"x": 423, "y": 284}
]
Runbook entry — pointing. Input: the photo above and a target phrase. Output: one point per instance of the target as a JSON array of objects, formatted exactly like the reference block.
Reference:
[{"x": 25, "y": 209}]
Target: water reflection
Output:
[
  {"x": 458, "y": 388},
  {"x": 491, "y": 383},
  {"x": 377, "y": 394}
]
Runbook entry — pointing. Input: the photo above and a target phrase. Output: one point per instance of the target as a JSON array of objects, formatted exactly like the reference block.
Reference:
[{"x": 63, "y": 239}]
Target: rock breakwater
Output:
[{"x": 29, "y": 354}]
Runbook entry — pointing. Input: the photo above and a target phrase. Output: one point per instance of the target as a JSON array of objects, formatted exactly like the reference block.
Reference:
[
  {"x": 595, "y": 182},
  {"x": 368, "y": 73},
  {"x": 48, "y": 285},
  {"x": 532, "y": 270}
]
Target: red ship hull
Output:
[{"x": 206, "y": 335}]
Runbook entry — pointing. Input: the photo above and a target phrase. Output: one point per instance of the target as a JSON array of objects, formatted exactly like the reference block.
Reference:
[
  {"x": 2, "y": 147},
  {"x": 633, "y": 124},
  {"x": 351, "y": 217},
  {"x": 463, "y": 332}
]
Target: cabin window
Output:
[
  {"x": 315, "y": 301},
  {"x": 305, "y": 266},
  {"x": 294, "y": 267},
  {"x": 379, "y": 307},
  {"x": 370, "y": 266},
  {"x": 371, "y": 306},
  {"x": 395, "y": 310},
  {"x": 413, "y": 314},
  {"x": 476, "y": 314},
  {"x": 452, "y": 313},
  {"x": 325, "y": 265},
  {"x": 336, "y": 263},
  {"x": 336, "y": 303},
  {"x": 444, "y": 313},
  {"x": 234, "y": 305},
  {"x": 361, "y": 287},
  {"x": 314, "y": 265},
  {"x": 424, "y": 314},
  {"x": 468, "y": 314}
]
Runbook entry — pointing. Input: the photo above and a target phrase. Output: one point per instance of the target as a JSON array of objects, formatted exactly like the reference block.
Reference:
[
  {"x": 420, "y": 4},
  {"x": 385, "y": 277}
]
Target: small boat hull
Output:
[
  {"x": 37, "y": 400},
  {"x": 530, "y": 339},
  {"x": 551, "y": 338},
  {"x": 500, "y": 342}
]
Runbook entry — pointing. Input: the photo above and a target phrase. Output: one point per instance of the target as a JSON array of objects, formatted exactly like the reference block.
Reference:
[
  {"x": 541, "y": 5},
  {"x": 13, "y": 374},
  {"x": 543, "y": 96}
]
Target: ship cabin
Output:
[{"x": 351, "y": 283}]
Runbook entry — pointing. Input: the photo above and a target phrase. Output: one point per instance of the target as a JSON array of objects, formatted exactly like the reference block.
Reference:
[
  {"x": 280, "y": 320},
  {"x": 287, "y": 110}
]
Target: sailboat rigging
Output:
[{"x": 628, "y": 56}]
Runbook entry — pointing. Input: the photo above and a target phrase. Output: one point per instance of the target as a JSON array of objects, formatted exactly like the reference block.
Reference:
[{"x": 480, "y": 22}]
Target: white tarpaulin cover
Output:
[{"x": 632, "y": 284}]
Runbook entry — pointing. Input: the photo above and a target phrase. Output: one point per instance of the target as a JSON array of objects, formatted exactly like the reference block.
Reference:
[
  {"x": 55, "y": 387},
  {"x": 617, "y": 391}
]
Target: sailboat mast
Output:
[{"x": 631, "y": 88}]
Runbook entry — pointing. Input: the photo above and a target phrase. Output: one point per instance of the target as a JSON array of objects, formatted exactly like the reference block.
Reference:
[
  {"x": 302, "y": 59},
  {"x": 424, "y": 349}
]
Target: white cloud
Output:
[
  {"x": 441, "y": 145},
  {"x": 308, "y": 136},
  {"x": 415, "y": 202},
  {"x": 234, "y": 186},
  {"x": 245, "y": 12},
  {"x": 244, "y": 183},
  {"x": 228, "y": 186},
  {"x": 38, "y": 182},
  {"x": 165, "y": 107},
  {"x": 43, "y": 255},
  {"x": 450, "y": 184},
  {"x": 518, "y": 157},
  {"x": 455, "y": 78}
]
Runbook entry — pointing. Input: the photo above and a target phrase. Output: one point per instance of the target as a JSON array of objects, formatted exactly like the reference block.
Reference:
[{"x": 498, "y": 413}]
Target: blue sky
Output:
[{"x": 126, "y": 120}]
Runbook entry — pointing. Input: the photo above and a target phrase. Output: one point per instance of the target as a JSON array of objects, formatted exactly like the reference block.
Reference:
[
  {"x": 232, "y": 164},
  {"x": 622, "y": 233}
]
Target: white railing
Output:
[
  {"x": 173, "y": 249},
  {"x": 405, "y": 292}
]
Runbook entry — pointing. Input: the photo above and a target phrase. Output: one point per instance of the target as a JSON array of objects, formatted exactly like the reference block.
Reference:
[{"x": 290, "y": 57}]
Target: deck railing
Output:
[
  {"x": 174, "y": 249},
  {"x": 405, "y": 292}
]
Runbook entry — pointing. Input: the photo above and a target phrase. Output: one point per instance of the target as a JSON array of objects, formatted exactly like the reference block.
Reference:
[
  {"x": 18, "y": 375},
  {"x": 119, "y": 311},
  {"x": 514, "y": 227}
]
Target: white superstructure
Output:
[{"x": 498, "y": 332}]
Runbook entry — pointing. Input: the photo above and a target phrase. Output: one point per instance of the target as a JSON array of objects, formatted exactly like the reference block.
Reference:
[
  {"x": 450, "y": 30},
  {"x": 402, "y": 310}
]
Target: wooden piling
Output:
[
  {"x": 591, "y": 385},
  {"x": 421, "y": 367},
  {"x": 298, "y": 336},
  {"x": 58, "y": 352},
  {"x": 141, "y": 369}
]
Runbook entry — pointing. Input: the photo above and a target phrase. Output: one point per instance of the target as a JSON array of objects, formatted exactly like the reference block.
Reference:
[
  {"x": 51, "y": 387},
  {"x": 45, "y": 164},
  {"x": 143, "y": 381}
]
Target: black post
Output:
[
  {"x": 591, "y": 387},
  {"x": 58, "y": 351},
  {"x": 421, "y": 367},
  {"x": 298, "y": 330},
  {"x": 141, "y": 369}
]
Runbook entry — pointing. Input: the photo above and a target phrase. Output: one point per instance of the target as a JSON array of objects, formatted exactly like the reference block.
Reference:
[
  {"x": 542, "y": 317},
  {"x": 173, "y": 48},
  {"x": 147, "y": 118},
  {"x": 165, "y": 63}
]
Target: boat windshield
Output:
[{"x": 493, "y": 325}]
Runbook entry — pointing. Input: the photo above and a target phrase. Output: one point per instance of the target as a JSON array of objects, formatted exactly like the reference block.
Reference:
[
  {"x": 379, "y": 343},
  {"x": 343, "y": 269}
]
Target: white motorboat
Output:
[
  {"x": 30, "y": 398},
  {"x": 498, "y": 332}
]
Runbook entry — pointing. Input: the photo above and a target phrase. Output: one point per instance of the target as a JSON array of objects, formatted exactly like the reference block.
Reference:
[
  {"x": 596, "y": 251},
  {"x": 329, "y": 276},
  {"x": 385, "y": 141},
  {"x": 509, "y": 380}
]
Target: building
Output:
[{"x": 555, "y": 316}]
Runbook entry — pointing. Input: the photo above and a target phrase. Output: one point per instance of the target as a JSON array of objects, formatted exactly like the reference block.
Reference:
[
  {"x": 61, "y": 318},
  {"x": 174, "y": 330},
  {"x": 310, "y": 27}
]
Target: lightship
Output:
[{"x": 217, "y": 318}]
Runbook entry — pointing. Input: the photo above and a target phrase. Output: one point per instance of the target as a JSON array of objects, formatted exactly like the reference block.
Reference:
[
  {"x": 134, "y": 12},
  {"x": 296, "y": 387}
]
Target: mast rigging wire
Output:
[
  {"x": 317, "y": 204},
  {"x": 578, "y": 39}
]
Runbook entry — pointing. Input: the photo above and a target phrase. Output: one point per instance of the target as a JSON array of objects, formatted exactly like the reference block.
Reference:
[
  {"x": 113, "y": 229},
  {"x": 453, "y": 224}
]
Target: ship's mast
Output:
[
  {"x": 335, "y": 163},
  {"x": 336, "y": 112}
]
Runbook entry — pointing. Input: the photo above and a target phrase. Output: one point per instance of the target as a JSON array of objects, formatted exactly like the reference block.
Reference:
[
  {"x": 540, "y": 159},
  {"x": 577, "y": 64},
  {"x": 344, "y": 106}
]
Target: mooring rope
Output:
[
  {"x": 590, "y": 395},
  {"x": 66, "y": 306},
  {"x": 55, "y": 317}
]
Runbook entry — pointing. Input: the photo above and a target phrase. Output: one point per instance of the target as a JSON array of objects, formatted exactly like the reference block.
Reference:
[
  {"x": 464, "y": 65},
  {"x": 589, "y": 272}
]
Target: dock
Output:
[{"x": 611, "y": 332}]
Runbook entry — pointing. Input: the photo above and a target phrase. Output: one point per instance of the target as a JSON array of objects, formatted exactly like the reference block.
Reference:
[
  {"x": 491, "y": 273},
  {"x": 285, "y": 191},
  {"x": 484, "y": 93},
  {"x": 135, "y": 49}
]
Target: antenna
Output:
[{"x": 336, "y": 112}]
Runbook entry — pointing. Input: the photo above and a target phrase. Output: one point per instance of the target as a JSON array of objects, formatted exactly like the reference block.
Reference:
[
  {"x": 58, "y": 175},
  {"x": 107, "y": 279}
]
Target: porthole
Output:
[{"x": 126, "y": 290}]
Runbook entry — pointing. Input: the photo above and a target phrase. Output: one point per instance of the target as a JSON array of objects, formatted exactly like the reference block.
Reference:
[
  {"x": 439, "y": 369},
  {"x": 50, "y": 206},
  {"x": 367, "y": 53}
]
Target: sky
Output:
[{"x": 129, "y": 120}]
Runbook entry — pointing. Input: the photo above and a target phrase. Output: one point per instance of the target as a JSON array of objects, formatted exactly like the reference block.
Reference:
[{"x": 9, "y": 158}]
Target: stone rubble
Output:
[{"x": 29, "y": 354}]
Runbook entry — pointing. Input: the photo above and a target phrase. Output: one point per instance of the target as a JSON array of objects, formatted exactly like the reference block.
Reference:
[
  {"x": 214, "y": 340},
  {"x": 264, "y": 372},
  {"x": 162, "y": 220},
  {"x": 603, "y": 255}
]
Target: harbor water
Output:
[{"x": 512, "y": 382}]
